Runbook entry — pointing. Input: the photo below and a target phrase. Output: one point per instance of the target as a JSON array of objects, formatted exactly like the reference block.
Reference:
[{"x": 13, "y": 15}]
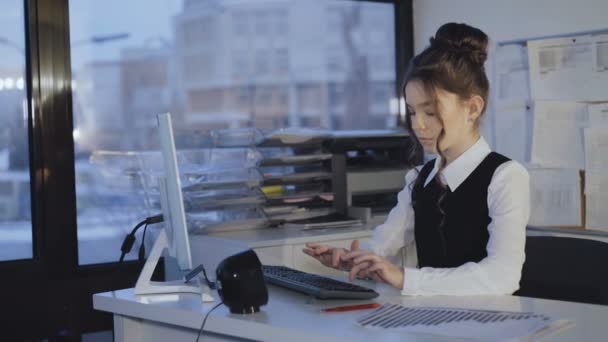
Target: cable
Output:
[
  {"x": 142, "y": 245},
  {"x": 129, "y": 240},
  {"x": 198, "y": 269},
  {"x": 127, "y": 244},
  {"x": 200, "y": 331},
  {"x": 209, "y": 282}
]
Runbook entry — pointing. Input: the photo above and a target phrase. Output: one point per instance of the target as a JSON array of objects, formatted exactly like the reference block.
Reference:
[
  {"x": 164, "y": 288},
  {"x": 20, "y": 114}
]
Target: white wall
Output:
[
  {"x": 504, "y": 20},
  {"x": 509, "y": 19}
]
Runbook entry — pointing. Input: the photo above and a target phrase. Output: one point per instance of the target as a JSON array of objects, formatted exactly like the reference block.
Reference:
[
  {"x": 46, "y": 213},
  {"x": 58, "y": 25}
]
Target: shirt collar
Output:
[{"x": 458, "y": 170}]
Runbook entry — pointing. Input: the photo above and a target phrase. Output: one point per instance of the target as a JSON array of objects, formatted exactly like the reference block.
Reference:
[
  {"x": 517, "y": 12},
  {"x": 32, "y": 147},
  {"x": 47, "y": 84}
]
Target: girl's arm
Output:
[{"x": 398, "y": 229}]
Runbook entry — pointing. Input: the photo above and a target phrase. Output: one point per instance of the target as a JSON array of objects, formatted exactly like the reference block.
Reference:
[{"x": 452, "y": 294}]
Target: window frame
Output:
[{"x": 51, "y": 293}]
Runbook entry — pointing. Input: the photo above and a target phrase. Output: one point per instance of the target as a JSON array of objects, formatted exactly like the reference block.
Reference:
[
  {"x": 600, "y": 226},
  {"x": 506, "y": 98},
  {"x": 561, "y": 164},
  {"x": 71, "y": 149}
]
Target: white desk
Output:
[{"x": 293, "y": 317}]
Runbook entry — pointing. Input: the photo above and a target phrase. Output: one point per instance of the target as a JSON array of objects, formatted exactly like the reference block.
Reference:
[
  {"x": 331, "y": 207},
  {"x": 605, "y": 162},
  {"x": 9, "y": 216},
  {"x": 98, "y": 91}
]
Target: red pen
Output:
[{"x": 352, "y": 307}]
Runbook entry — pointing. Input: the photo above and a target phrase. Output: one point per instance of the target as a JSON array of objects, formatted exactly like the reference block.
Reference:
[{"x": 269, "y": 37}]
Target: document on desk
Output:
[
  {"x": 569, "y": 68},
  {"x": 557, "y": 135},
  {"x": 555, "y": 197},
  {"x": 513, "y": 129},
  {"x": 464, "y": 323}
]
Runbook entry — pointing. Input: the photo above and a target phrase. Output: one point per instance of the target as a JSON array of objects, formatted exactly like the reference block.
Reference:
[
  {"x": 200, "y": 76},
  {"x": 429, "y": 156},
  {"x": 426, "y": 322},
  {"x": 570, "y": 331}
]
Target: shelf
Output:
[
  {"x": 569, "y": 230},
  {"x": 297, "y": 178},
  {"x": 276, "y": 142},
  {"x": 296, "y": 160}
]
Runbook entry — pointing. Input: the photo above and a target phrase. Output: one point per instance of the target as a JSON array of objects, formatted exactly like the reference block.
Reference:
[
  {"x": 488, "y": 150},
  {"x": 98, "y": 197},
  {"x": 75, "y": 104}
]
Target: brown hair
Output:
[{"x": 454, "y": 61}]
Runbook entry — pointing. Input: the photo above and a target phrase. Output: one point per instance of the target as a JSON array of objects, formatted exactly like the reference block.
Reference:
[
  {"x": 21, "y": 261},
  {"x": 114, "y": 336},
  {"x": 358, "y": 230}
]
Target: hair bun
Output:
[{"x": 464, "y": 39}]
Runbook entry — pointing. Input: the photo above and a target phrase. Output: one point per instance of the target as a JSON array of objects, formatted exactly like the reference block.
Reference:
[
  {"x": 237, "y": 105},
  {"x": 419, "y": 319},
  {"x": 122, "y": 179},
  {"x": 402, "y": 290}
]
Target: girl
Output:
[{"x": 467, "y": 210}]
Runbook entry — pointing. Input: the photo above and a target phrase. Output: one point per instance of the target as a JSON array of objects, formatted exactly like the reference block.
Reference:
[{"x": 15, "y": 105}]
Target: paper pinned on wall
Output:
[
  {"x": 598, "y": 114},
  {"x": 555, "y": 197},
  {"x": 512, "y": 72},
  {"x": 513, "y": 122},
  {"x": 596, "y": 215},
  {"x": 596, "y": 182},
  {"x": 557, "y": 134},
  {"x": 596, "y": 148},
  {"x": 600, "y": 56},
  {"x": 569, "y": 68}
]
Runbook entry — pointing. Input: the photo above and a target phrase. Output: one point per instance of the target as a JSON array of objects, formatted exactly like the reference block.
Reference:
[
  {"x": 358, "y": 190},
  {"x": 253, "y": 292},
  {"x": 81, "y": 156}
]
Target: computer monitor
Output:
[
  {"x": 172, "y": 199},
  {"x": 174, "y": 235}
]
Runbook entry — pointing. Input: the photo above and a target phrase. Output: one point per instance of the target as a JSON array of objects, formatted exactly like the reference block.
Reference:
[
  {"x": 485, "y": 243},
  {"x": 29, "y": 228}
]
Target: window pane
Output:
[
  {"x": 213, "y": 65},
  {"x": 15, "y": 207}
]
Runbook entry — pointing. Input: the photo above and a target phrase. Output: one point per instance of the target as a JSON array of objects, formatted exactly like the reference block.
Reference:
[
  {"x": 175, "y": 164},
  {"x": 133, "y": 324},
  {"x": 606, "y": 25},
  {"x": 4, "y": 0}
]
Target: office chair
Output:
[{"x": 568, "y": 269}]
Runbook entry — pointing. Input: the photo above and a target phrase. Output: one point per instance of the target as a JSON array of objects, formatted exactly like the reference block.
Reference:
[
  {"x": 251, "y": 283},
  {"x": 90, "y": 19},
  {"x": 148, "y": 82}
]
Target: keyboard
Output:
[{"x": 315, "y": 285}]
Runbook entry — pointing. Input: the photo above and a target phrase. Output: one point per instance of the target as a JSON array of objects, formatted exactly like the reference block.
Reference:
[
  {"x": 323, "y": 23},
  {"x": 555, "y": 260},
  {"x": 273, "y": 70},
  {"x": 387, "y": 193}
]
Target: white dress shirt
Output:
[{"x": 509, "y": 208}]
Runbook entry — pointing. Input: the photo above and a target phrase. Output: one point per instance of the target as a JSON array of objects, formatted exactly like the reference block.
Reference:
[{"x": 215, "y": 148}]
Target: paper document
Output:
[
  {"x": 598, "y": 114},
  {"x": 555, "y": 197},
  {"x": 514, "y": 130},
  {"x": 600, "y": 55},
  {"x": 596, "y": 182},
  {"x": 483, "y": 325},
  {"x": 596, "y": 215},
  {"x": 512, "y": 72},
  {"x": 569, "y": 68},
  {"x": 557, "y": 136},
  {"x": 596, "y": 148},
  {"x": 596, "y": 192}
]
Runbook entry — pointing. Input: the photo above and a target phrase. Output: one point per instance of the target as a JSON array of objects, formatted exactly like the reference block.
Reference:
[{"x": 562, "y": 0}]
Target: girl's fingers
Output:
[
  {"x": 318, "y": 248},
  {"x": 335, "y": 256},
  {"x": 308, "y": 251},
  {"x": 372, "y": 258},
  {"x": 354, "y": 246},
  {"x": 364, "y": 272},
  {"x": 322, "y": 249},
  {"x": 353, "y": 254},
  {"x": 356, "y": 269},
  {"x": 377, "y": 268}
]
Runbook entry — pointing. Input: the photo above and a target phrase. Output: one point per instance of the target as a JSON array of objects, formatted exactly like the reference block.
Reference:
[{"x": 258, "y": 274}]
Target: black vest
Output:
[{"x": 460, "y": 234}]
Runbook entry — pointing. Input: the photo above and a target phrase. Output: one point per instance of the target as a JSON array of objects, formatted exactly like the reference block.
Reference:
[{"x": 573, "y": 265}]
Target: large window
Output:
[
  {"x": 214, "y": 65},
  {"x": 15, "y": 203}
]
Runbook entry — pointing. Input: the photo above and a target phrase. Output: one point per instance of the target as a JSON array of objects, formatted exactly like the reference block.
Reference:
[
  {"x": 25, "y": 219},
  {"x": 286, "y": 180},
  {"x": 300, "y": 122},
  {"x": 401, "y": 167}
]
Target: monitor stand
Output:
[{"x": 145, "y": 285}]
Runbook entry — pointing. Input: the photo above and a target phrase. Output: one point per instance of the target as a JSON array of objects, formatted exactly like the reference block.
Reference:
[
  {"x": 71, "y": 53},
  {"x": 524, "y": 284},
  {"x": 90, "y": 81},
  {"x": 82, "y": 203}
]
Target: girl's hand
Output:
[
  {"x": 366, "y": 263},
  {"x": 331, "y": 256}
]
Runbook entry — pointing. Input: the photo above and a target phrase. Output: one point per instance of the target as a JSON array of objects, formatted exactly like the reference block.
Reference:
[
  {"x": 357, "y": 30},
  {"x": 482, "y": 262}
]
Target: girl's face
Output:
[{"x": 458, "y": 119}]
